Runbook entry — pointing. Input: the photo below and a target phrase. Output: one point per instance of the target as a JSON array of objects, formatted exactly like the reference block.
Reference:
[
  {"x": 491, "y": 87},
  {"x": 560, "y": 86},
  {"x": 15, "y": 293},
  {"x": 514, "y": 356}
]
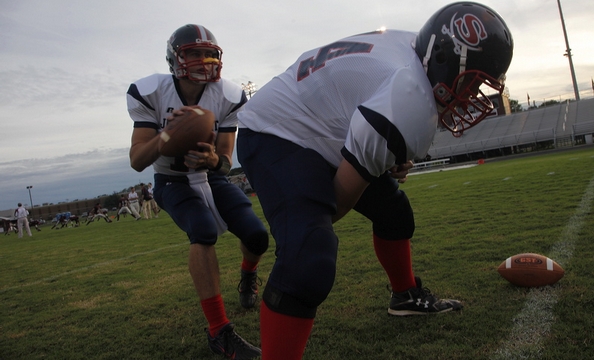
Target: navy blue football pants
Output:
[
  {"x": 295, "y": 188},
  {"x": 189, "y": 211}
]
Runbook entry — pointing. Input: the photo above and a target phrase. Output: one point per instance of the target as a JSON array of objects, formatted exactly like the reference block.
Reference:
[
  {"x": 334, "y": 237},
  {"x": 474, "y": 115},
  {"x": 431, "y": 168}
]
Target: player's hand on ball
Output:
[
  {"x": 185, "y": 129},
  {"x": 205, "y": 156},
  {"x": 401, "y": 171},
  {"x": 181, "y": 111}
]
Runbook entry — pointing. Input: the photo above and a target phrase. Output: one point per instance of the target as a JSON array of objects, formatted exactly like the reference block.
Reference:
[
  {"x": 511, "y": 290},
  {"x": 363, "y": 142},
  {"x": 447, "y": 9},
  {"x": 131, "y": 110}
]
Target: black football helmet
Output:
[
  {"x": 464, "y": 46},
  {"x": 190, "y": 37}
]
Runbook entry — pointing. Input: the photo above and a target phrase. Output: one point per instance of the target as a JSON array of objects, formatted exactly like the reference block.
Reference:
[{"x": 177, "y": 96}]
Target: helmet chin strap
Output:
[
  {"x": 428, "y": 53},
  {"x": 463, "y": 58}
]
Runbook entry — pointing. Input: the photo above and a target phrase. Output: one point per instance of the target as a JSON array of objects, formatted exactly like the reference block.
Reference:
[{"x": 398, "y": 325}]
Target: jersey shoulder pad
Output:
[
  {"x": 149, "y": 84},
  {"x": 231, "y": 91}
]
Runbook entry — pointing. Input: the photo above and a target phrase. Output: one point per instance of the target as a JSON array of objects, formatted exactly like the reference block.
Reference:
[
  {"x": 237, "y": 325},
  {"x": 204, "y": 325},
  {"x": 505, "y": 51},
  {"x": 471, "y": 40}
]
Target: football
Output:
[
  {"x": 530, "y": 270},
  {"x": 182, "y": 134}
]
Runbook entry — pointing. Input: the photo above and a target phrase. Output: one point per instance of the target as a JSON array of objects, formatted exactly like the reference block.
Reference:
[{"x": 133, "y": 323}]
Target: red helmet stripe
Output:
[{"x": 202, "y": 33}]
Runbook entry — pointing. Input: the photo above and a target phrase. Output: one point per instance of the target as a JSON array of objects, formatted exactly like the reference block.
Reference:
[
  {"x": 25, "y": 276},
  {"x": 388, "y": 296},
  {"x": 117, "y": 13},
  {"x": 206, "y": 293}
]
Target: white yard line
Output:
[
  {"x": 440, "y": 168},
  {"x": 534, "y": 322},
  {"x": 52, "y": 278}
]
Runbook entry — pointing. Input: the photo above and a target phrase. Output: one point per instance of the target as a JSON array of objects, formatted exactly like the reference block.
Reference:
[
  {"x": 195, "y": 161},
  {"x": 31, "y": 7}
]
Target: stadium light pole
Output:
[
  {"x": 568, "y": 54},
  {"x": 30, "y": 198},
  {"x": 249, "y": 88}
]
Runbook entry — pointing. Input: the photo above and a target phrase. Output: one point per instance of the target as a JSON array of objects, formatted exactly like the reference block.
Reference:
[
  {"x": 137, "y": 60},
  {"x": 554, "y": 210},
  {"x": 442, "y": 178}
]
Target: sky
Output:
[{"x": 65, "y": 66}]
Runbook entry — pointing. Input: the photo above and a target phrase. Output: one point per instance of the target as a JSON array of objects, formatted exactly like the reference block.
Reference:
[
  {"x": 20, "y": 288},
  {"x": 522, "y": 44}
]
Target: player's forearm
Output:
[
  {"x": 143, "y": 155},
  {"x": 348, "y": 187}
]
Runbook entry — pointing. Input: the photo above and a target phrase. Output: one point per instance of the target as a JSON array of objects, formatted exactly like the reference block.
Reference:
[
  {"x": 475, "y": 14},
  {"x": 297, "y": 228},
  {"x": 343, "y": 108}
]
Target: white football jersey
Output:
[
  {"x": 365, "y": 98},
  {"x": 152, "y": 99}
]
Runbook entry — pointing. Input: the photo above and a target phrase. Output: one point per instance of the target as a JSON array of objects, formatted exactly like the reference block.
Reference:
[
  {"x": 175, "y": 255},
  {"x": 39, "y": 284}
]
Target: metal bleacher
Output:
[{"x": 561, "y": 124}]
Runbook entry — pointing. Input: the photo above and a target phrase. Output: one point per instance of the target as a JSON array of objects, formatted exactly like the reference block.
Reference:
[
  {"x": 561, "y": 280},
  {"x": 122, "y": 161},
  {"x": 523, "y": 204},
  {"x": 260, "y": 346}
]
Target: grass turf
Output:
[{"x": 122, "y": 290}]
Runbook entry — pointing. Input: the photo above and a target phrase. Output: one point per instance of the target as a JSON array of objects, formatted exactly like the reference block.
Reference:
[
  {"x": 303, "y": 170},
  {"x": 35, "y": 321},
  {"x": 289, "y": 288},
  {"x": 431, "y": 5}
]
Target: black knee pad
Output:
[
  {"x": 286, "y": 304},
  {"x": 308, "y": 277},
  {"x": 388, "y": 208},
  {"x": 257, "y": 243}
]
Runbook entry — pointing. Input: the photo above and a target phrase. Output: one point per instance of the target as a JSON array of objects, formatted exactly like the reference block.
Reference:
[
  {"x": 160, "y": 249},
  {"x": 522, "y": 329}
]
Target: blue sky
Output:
[{"x": 65, "y": 66}]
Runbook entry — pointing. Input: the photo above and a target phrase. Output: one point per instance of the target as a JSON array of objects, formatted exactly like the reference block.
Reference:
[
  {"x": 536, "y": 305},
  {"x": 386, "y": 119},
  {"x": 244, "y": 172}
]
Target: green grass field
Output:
[{"x": 122, "y": 290}]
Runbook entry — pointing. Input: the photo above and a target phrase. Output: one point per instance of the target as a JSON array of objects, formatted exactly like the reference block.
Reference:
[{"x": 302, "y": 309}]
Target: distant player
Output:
[
  {"x": 194, "y": 189},
  {"x": 97, "y": 213},
  {"x": 134, "y": 202},
  {"x": 61, "y": 222},
  {"x": 22, "y": 220},
  {"x": 74, "y": 221},
  {"x": 123, "y": 209},
  {"x": 35, "y": 224},
  {"x": 337, "y": 131},
  {"x": 153, "y": 204}
]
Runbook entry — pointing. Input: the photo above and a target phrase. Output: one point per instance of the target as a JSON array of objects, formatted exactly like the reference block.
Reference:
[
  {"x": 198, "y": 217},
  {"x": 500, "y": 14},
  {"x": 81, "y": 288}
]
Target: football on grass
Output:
[
  {"x": 181, "y": 134},
  {"x": 530, "y": 270}
]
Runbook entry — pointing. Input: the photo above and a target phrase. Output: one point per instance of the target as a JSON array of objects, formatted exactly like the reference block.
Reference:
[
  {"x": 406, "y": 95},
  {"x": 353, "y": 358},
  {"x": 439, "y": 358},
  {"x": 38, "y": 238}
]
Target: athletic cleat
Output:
[
  {"x": 231, "y": 345},
  {"x": 420, "y": 301},
  {"x": 248, "y": 289}
]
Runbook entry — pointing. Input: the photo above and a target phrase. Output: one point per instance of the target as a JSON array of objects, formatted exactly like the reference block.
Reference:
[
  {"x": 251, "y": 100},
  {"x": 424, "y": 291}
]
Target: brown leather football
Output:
[
  {"x": 184, "y": 132},
  {"x": 530, "y": 270}
]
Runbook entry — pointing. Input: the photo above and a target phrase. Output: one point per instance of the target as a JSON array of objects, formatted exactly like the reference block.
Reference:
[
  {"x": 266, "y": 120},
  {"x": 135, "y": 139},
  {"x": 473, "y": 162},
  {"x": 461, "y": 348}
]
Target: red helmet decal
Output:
[{"x": 466, "y": 30}]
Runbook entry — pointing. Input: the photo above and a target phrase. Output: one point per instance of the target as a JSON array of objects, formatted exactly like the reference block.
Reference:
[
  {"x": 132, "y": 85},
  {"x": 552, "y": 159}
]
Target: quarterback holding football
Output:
[{"x": 184, "y": 126}]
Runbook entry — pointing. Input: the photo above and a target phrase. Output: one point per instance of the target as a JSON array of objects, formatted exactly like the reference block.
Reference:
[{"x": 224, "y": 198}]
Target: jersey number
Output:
[{"x": 329, "y": 52}]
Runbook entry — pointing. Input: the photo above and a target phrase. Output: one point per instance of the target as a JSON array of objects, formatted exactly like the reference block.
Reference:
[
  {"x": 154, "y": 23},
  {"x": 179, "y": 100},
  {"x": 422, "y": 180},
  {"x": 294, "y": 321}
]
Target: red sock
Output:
[
  {"x": 396, "y": 260},
  {"x": 283, "y": 337},
  {"x": 214, "y": 311},
  {"x": 249, "y": 266}
]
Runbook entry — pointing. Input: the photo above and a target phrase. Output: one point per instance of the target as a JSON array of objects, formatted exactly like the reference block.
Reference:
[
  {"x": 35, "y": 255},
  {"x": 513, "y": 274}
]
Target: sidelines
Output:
[
  {"x": 534, "y": 322},
  {"x": 51, "y": 278}
]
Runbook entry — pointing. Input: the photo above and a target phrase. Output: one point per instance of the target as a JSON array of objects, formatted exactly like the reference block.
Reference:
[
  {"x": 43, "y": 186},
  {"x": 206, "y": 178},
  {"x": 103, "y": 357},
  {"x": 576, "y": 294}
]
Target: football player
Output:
[
  {"x": 345, "y": 122},
  {"x": 194, "y": 189}
]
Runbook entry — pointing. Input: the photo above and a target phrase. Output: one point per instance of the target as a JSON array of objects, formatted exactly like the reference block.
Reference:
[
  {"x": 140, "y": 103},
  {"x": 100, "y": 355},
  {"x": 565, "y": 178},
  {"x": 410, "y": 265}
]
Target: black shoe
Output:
[
  {"x": 231, "y": 345},
  {"x": 248, "y": 289},
  {"x": 420, "y": 301}
]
